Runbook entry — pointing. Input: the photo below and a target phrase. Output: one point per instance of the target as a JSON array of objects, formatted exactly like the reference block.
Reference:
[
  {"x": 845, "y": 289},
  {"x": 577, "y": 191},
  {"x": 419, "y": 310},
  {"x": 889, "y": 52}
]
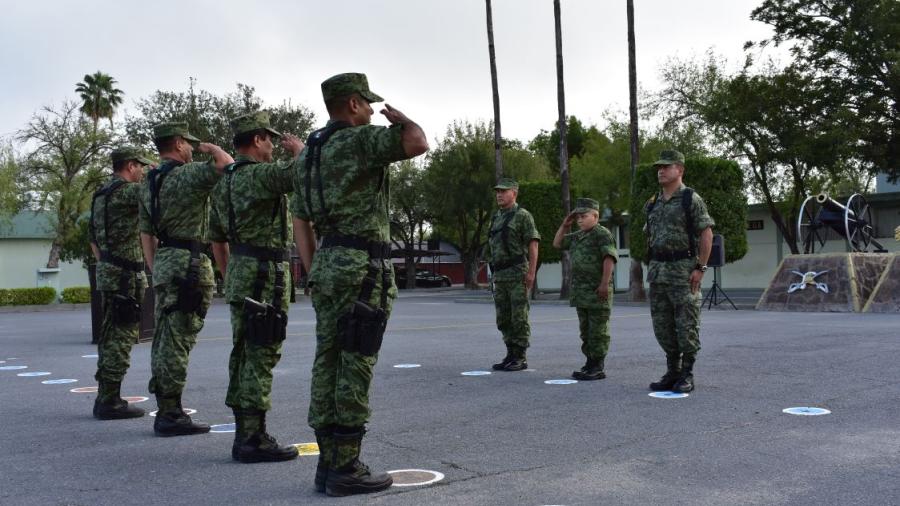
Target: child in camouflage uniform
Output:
[{"x": 594, "y": 255}]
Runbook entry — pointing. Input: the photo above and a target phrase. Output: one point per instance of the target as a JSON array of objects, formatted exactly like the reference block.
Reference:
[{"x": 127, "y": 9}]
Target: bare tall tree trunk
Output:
[
  {"x": 498, "y": 158},
  {"x": 563, "y": 147},
  {"x": 636, "y": 277}
]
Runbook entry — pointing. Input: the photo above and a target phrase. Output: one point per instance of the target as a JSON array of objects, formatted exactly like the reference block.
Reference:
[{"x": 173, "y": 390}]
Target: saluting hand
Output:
[
  {"x": 293, "y": 144},
  {"x": 393, "y": 115},
  {"x": 570, "y": 219}
]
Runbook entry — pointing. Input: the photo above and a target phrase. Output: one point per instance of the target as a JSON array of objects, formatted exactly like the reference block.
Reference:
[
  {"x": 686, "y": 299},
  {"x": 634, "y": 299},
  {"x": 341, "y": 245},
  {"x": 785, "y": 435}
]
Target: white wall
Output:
[{"x": 20, "y": 260}]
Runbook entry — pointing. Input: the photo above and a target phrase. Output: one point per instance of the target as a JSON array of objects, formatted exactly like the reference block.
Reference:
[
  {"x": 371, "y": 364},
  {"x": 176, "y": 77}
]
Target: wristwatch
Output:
[{"x": 700, "y": 267}]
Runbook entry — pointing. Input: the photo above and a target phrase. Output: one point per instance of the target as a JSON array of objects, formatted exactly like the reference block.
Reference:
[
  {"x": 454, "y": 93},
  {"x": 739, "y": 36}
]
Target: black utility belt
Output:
[
  {"x": 188, "y": 244},
  {"x": 375, "y": 249},
  {"x": 260, "y": 253},
  {"x": 128, "y": 265},
  {"x": 506, "y": 265},
  {"x": 670, "y": 256}
]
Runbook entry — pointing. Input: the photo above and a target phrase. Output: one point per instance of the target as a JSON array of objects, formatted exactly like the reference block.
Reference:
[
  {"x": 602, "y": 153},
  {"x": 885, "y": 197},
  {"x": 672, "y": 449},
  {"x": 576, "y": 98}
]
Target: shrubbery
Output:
[
  {"x": 76, "y": 294},
  {"x": 27, "y": 296}
]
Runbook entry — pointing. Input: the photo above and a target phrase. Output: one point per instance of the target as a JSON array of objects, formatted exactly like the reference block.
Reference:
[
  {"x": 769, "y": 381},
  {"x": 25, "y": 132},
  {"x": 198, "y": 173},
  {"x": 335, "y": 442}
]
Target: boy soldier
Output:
[
  {"x": 120, "y": 278},
  {"x": 594, "y": 256},
  {"x": 173, "y": 217},
  {"x": 512, "y": 251},
  {"x": 676, "y": 219},
  {"x": 341, "y": 185},
  {"x": 251, "y": 238}
]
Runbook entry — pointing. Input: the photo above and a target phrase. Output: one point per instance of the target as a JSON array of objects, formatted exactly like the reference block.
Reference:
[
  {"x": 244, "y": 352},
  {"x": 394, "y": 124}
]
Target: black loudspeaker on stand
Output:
[{"x": 716, "y": 261}]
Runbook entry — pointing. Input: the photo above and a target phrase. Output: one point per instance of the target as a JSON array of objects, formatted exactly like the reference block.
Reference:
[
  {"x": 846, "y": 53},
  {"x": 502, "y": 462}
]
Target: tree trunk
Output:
[
  {"x": 470, "y": 270},
  {"x": 53, "y": 258},
  {"x": 410, "y": 265},
  {"x": 636, "y": 278},
  {"x": 563, "y": 147},
  {"x": 498, "y": 158}
]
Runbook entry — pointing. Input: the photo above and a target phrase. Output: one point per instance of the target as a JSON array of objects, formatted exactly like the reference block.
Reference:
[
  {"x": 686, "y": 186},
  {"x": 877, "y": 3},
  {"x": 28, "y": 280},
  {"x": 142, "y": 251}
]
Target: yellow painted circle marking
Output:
[{"x": 307, "y": 449}]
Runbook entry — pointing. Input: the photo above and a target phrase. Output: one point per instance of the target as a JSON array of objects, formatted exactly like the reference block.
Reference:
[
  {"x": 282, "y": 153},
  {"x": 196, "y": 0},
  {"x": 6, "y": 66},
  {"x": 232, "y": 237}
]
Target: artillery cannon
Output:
[{"x": 852, "y": 221}]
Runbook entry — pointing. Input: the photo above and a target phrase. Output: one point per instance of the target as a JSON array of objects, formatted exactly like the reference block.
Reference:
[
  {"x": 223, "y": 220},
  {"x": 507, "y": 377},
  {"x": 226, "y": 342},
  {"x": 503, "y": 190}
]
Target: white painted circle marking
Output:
[
  {"x": 13, "y": 367},
  {"x": 59, "y": 381},
  {"x": 2, "y": 361},
  {"x": 407, "y": 366},
  {"x": 415, "y": 477},
  {"x": 187, "y": 411},
  {"x": 806, "y": 411},
  {"x": 136, "y": 399},
  {"x": 34, "y": 373},
  {"x": 668, "y": 395},
  {"x": 91, "y": 356},
  {"x": 222, "y": 428},
  {"x": 476, "y": 373},
  {"x": 561, "y": 382},
  {"x": 84, "y": 390}
]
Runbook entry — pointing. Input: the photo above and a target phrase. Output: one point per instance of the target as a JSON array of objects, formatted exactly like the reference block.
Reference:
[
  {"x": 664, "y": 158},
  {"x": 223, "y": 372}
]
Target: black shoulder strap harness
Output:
[
  {"x": 155, "y": 179},
  {"x": 503, "y": 230},
  {"x": 314, "y": 145},
  {"x": 687, "y": 199},
  {"x": 129, "y": 269}
]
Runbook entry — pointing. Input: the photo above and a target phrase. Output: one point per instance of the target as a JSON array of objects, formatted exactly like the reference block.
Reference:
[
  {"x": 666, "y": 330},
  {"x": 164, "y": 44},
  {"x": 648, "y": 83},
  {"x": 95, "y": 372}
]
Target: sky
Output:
[{"x": 428, "y": 58}]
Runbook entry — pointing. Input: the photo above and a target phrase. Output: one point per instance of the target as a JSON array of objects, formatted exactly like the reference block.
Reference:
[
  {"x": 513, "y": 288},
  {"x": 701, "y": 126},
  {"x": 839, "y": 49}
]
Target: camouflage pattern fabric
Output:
[
  {"x": 121, "y": 236},
  {"x": 676, "y": 318},
  {"x": 667, "y": 231},
  {"x": 355, "y": 183},
  {"x": 255, "y": 192},
  {"x": 512, "y": 305},
  {"x": 588, "y": 250},
  {"x": 116, "y": 340},
  {"x": 520, "y": 234},
  {"x": 593, "y": 328}
]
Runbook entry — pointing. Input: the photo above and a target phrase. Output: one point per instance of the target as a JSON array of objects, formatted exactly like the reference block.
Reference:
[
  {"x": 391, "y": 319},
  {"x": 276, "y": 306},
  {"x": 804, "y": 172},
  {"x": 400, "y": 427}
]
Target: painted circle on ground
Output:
[
  {"x": 34, "y": 373},
  {"x": 84, "y": 390},
  {"x": 407, "y": 366},
  {"x": 136, "y": 399},
  {"x": 59, "y": 381},
  {"x": 222, "y": 427},
  {"x": 2, "y": 361},
  {"x": 476, "y": 373},
  {"x": 13, "y": 367},
  {"x": 561, "y": 382},
  {"x": 187, "y": 411},
  {"x": 307, "y": 449},
  {"x": 806, "y": 411},
  {"x": 667, "y": 395},
  {"x": 415, "y": 477},
  {"x": 91, "y": 356}
]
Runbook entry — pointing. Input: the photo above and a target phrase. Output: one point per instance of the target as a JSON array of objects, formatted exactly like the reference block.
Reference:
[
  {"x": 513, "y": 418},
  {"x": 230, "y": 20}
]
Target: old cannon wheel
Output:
[
  {"x": 809, "y": 225},
  {"x": 858, "y": 223}
]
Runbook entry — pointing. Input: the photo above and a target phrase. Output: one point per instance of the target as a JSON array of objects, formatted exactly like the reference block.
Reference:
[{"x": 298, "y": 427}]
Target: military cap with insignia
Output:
[
  {"x": 669, "y": 157},
  {"x": 345, "y": 84},
  {"x": 506, "y": 183}
]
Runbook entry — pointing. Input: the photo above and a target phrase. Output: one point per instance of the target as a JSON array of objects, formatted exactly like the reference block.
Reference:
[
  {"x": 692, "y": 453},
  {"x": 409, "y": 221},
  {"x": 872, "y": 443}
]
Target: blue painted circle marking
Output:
[
  {"x": 222, "y": 427},
  {"x": 475, "y": 373},
  {"x": 91, "y": 356},
  {"x": 806, "y": 411},
  {"x": 407, "y": 366},
  {"x": 59, "y": 381},
  {"x": 668, "y": 395},
  {"x": 34, "y": 373},
  {"x": 561, "y": 382},
  {"x": 13, "y": 367}
]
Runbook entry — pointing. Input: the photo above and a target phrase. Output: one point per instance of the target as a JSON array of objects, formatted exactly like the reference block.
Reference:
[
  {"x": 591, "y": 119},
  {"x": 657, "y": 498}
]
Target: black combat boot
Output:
[
  {"x": 109, "y": 404},
  {"x": 673, "y": 373},
  {"x": 500, "y": 366},
  {"x": 325, "y": 440},
  {"x": 593, "y": 371},
  {"x": 518, "y": 362},
  {"x": 240, "y": 432},
  {"x": 259, "y": 445},
  {"x": 171, "y": 420},
  {"x": 685, "y": 381},
  {"x": 347, "y": 475}
]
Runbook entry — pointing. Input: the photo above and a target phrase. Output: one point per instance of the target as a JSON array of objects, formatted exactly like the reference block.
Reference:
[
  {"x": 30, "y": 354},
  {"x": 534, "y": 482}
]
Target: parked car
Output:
[{"x": 424, "y": 278}]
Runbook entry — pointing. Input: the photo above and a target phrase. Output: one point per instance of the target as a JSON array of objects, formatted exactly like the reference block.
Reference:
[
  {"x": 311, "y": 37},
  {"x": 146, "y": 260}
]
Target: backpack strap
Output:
[
  {"x": 155, "y": 179},
  {"x": 229, "y": 176}
]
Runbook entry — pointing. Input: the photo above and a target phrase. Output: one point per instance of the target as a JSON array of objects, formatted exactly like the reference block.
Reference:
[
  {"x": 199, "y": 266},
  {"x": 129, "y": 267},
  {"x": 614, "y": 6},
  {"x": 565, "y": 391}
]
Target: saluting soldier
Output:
[
  {"x": 251, "y": 236},
  {"x": 679, "y": 240},
  {"x": 174, "y": 218},
  {"x": 341, "y": 186},
  {"x": 120, "y": 277}
]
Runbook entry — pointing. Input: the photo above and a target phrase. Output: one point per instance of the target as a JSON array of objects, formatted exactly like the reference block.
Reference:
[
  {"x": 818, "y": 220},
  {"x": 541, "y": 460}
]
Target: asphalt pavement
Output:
[{"x": 497, "y": 439}]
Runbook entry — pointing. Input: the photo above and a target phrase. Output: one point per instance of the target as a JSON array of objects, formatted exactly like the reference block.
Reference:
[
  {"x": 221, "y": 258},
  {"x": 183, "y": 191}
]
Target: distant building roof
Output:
[{"x": 27, "y": 225}]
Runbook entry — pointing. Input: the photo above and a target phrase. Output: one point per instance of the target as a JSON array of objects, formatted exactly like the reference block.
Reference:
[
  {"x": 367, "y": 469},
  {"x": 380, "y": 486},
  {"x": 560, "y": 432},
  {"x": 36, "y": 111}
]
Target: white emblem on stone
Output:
[{"x": 808, "y": 278}]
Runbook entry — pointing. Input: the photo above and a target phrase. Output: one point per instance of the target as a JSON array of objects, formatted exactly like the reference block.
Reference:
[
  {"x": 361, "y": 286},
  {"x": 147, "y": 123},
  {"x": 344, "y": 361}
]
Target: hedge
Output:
[
  {"x": 76, "y": 294},
  {"x": 543, "y": 199},
  {"x": 27, "y": 296}
]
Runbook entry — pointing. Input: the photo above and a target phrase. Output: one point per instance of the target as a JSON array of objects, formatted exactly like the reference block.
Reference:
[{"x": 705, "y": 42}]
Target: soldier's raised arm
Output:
[
  {"x": 412, "y": 136},
  {"x": 221, "y": 159}
]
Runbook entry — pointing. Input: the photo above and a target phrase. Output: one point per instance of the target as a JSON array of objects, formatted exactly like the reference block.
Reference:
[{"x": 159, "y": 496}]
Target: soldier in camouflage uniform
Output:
[
  {"x": 251, "y": 234},
  {"x": 341, "y": 185},
  {"x": 677, "y": 220},
  {"x": 120, "y": 278},
  {"x": 594, "y": 257},
  {"x": 512, "y": 251},
  {"x": 174, "y": 223}
]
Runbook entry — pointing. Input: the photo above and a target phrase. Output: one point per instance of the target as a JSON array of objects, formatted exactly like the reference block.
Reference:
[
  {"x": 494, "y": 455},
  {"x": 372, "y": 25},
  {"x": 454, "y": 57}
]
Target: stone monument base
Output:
[{"x": 886, "y": 294}]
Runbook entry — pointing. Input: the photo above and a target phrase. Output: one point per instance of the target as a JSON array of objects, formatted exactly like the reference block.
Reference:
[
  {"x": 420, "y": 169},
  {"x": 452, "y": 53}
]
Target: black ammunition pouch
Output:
[
  {"x": 266, "y": 325},
  {"x": 361, "y": 329},
  {"x": 126, "y": 310},
  {"x": 190, "y": 295}
]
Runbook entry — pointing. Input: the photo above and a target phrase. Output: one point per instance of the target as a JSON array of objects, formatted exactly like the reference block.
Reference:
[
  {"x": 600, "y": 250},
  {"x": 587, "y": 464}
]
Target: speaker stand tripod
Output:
[{"x": 713, "y": 295}]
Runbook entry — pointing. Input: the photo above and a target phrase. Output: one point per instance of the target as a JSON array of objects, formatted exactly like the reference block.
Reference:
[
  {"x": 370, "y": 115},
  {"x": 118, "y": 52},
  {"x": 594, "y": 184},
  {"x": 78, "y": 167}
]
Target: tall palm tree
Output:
[
  {"x": 563, "y": 145},
  {"x": 636, "y": 278},
  {"x": 498, "y": 158},
  {"x": 100, "y": 97}
]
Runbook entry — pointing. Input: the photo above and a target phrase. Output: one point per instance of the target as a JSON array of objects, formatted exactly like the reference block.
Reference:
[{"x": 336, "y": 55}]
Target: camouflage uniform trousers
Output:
[
  {"x": 175, "y": 336},
  {"x": 593, "y": 328},
  {"x": 249, "y": 367},
  {"x": 116, "y": 340},
  {"x": 676, "y": 318},
  {"x": 511, "y": 304}
]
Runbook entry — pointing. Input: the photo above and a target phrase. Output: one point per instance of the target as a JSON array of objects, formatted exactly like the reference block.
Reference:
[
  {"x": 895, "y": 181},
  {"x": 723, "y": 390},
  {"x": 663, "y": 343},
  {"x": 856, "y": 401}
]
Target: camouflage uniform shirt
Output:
[
  {"x": 120, "y": 236},
  {"x": 588, "y": 249},
  {"x": 667, "y": 231},
  {"x": 256, "y": 191},
  {"x": 520, "y": 234}
]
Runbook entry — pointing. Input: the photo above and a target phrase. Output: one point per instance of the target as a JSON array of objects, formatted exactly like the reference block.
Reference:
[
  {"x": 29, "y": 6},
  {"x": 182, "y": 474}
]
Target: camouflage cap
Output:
[
  {"x": 506, "y": 183},
  {"x": 126, "y": 153},
  {"x": 585, "y": 205},
  {"x": 669, "y": 157},
  {"x": 345, "y": 84},
  {"x": 179, "y": 128},
  {"x": 258, "y": 120}
]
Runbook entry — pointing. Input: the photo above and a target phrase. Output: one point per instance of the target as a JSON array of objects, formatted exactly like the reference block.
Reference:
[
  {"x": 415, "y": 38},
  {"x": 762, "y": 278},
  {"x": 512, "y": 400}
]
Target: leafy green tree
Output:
[
  {"x": 546, "y": 144},
  {"x": 541, "y": 199},
  {"x": 99, "y": 96},
  {"x": 11, "y": 199},
  {"x": 409, "y": 213}
]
